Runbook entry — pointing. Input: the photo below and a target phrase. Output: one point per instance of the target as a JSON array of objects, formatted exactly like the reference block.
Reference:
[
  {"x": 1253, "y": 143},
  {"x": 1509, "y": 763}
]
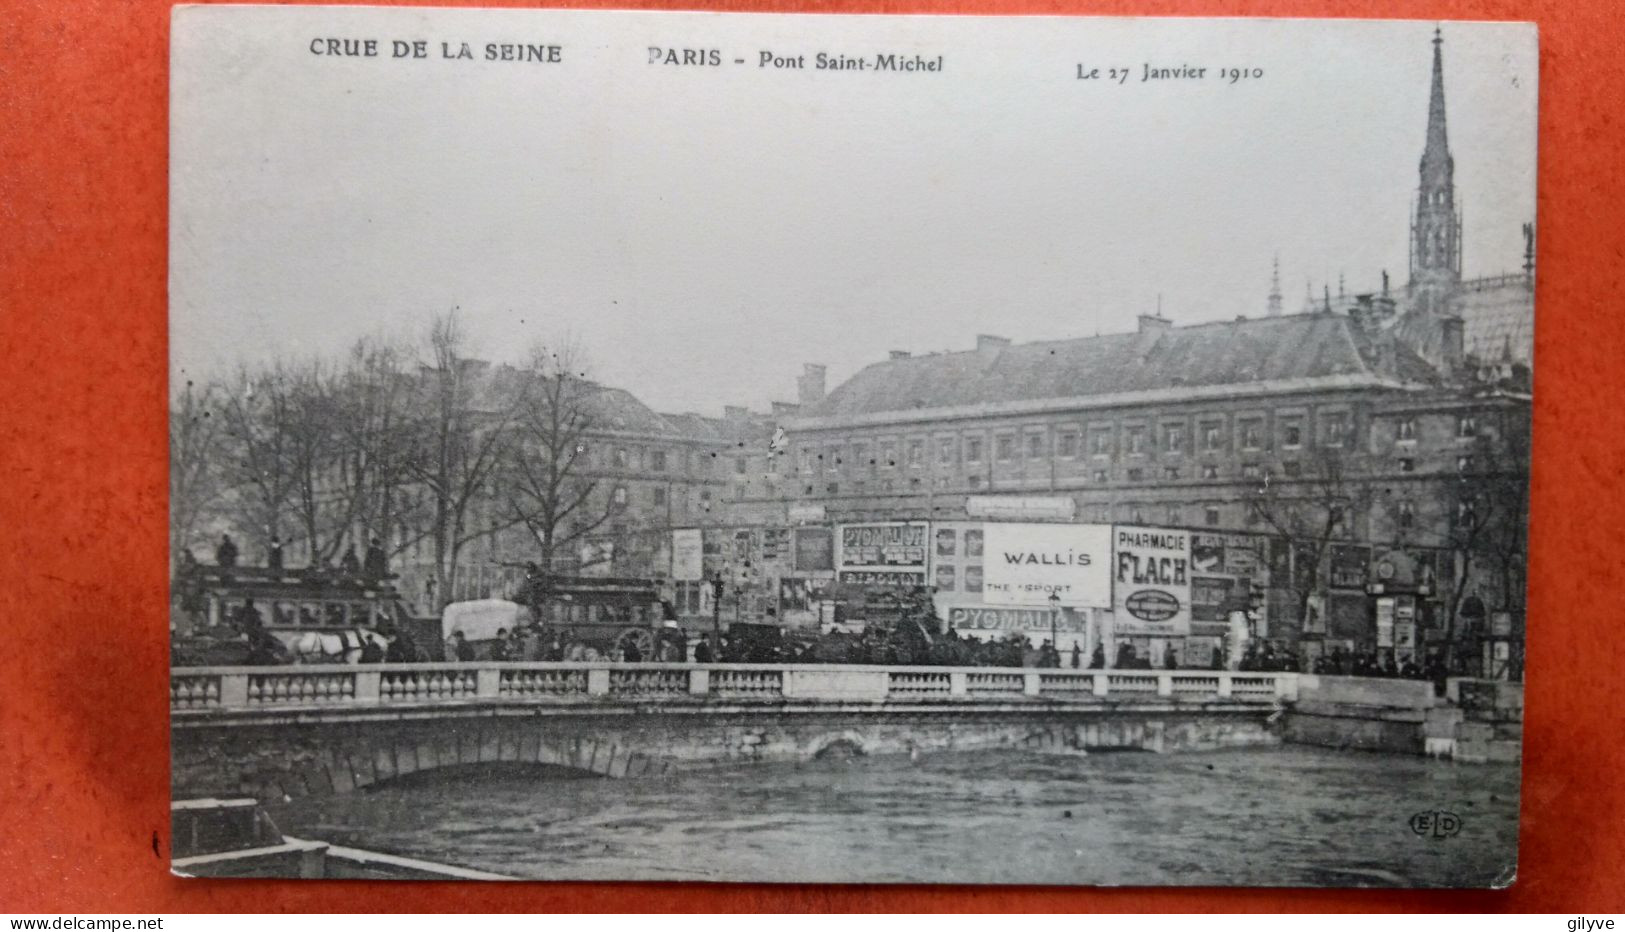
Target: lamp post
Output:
[
  {"x": 716, "y": 608},
  {"x": 1054, "y": 620}
]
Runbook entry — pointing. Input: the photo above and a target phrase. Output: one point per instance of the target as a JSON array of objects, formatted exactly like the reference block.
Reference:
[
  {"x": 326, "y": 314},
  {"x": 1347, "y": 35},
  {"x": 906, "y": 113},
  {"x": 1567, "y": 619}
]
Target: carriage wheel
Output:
[{"x": 642, "y": 639}]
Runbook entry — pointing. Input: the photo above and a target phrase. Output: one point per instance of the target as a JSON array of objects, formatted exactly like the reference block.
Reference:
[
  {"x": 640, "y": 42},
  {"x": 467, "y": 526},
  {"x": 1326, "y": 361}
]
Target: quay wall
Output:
[
  {"x": 270, "y": 762},
  {"x": 1476, "y": 721}
]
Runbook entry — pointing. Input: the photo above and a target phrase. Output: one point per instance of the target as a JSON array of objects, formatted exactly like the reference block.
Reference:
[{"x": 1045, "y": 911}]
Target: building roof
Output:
[
  {"x": 1499, "y": 317},
  {"x": 618, "y": 410},
  {"x": 1498, "y": 321},
  {"x": 1299, "y": 350}
]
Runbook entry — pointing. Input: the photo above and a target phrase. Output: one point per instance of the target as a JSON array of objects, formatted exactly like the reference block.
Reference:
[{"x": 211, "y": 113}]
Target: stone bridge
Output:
[{"x": 275, "y": 731}]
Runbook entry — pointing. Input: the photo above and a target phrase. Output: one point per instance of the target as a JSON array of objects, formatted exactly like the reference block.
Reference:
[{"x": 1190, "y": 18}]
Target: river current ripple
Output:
[{"x": 1270, "y": 817}]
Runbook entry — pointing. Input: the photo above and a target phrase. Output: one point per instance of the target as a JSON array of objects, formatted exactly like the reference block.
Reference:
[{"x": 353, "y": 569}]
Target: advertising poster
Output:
[
  {"x": 1151, "y": 581},
  {"x": 1025, "y": 621},
  {"x": 687, "y": 555},
  {"x": 1244, "y": 557},
  {"x": 1026, "y": 564},
  {"x": 1207, "y": 553},
  {"x": 895, "y": 545},
  {"x": 814, "y": 549},
  {"x": 893, "y": 553},
  {"x": 1350, "y": 566}
]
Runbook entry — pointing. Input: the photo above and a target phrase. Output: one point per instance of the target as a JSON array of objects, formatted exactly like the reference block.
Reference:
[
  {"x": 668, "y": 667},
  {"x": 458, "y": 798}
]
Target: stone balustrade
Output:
[{"x": 206, "y": 690}]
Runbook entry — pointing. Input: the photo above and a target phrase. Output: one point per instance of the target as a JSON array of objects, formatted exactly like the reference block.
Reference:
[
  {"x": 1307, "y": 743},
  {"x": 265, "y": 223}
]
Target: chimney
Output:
[
  {"x": 1155, "y": 323},
  {"x": 1452, "y": 337},
  {"x": 1385, "y": 308},
  {"x": 1362, "y": 314},
  {"x": 810, "y": 387},
  {"x": 987, "y": 343},
  {"x": 899, "y": 354}
]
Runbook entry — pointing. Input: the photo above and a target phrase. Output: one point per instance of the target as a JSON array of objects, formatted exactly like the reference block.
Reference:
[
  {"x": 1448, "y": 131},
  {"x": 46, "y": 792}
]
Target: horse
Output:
[{"x": 343, "y": 646}]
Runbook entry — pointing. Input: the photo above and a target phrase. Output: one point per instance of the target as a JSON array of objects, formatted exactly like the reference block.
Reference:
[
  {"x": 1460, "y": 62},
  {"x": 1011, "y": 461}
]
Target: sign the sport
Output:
[
  {"x": 1024, "y": 564},
  {"x": 1151, "y": 581}
]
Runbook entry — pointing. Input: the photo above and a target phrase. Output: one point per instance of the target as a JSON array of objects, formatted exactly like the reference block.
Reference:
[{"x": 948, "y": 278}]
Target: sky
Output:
[{"x": 704, "y": 231}]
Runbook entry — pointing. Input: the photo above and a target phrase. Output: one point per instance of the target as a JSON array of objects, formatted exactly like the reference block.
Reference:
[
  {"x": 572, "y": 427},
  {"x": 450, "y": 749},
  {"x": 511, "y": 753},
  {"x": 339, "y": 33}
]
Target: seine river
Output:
[{"x": 1281, "y": 816}]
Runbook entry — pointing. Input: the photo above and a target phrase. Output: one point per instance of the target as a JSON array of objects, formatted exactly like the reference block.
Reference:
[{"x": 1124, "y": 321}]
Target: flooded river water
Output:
[{"x": 1281, "y": 816}]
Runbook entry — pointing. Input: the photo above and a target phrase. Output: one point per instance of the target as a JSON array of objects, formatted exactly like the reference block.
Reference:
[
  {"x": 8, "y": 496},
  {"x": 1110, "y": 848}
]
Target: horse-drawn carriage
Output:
[
  {"x": 237, "y": 615},
  {"x": 596, "y": 617},
  {"x": 883, "y": 624}
]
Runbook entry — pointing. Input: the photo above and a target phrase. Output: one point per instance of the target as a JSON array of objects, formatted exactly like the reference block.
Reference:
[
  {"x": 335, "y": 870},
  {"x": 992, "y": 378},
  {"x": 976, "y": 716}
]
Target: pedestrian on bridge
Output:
[
  {"x": 458, "y": 649},
  {"x": 226, "y": 554}
]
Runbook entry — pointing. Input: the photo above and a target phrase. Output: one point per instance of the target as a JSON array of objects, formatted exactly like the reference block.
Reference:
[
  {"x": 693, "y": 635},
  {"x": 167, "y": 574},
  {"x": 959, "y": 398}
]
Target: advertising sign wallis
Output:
[{"x": 1025, "y": 564}]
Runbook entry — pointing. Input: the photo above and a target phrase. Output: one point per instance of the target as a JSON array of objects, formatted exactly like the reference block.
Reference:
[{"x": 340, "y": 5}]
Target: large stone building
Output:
[
  {"x": 639, "y": 473},
  {"x": 1408, "y": 406}
]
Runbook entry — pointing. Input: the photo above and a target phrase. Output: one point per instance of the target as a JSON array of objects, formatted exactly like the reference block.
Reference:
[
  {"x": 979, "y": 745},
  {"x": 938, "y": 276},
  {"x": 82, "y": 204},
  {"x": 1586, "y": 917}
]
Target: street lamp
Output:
[
  {"x": 1054, "y": 620},
  {"x": 716, "y": 607}
]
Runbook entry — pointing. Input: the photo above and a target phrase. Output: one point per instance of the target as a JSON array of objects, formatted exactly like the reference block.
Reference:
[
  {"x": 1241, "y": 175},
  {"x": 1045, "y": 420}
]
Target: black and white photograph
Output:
[{"x": 849, "y": 449}]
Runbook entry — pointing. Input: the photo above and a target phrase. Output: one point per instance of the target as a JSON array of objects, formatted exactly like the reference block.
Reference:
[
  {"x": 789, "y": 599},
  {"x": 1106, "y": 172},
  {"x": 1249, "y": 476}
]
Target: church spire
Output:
[
  {"x": 1436, "y": 153},
  {"x": 1275, "y": 287},
  {"x": 1436, "y": 228}
]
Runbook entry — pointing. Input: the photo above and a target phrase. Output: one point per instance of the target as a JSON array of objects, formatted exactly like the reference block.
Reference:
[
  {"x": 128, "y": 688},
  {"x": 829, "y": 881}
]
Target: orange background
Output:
[{"x": 83, "y": 581}]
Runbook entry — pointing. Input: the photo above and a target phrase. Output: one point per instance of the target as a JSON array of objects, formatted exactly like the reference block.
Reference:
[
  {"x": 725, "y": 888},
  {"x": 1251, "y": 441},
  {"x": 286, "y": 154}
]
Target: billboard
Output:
[
  {"x": 898, "y": 546},
  {"x": 986, "y": 618},
  {"x": 1053, "y": 508},
  {"x": 687, "y": 555},
  {"x": 813, "y": 549},
  {"x": 1025, "y": 564},
  {"x": 1151, "y": 581}
]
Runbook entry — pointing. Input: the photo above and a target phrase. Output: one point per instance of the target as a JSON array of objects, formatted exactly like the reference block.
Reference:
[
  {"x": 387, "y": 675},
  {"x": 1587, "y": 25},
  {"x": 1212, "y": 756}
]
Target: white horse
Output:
[{"x": 335, "y": 646}]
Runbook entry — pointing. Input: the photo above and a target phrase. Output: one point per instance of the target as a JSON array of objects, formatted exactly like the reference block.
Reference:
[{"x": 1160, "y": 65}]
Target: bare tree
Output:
[
  {"x": 195, "y": 488},
  {"x": 1488, "y": 516},
  {"x": 256, "y": 410},
  {"x": 309, "y": 452},
  {"x": 372, "y": 435},
  {"x": 1309, "y": 513},
  {"x": 464, "y": 412},
  {"x": 552, "y": 489}
]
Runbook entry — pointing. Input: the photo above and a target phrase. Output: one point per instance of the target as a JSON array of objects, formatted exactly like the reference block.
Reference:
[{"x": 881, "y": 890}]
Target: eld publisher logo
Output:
[{"x": 1436, "y": 823}]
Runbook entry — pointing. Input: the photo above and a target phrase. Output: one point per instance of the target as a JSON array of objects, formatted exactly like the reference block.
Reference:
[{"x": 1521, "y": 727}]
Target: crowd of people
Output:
[
  {"x": 373, "y": 565},
  {"x": 1341, "y": 662},
  {"x": 901, "y": 646}
]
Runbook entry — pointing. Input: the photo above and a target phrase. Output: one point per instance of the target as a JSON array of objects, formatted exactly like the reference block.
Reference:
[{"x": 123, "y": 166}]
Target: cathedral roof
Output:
[{"x": 1498, "y": 320}]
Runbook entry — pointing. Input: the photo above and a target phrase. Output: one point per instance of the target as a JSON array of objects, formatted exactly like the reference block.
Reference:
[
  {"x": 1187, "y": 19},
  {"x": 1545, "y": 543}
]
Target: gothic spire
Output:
[
  {"x": 1437, "y": 151},
  {"x": 1436, "y": 229}
]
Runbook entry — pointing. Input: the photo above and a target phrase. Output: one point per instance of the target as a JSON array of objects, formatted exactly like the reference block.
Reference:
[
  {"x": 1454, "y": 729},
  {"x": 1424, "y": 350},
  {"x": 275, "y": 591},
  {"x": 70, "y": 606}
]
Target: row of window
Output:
[
  {"x": 1335, "y": 430},
  {"x": 1291, "y": 469},
  {"x": 1032, "y": 444},
  {"x": 641, "y": 459}
]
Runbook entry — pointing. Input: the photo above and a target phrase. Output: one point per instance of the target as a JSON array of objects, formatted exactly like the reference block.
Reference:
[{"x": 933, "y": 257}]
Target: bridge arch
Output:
[
  {"x": 321, "y": 762},
  {"x": 838, "y": 746}
]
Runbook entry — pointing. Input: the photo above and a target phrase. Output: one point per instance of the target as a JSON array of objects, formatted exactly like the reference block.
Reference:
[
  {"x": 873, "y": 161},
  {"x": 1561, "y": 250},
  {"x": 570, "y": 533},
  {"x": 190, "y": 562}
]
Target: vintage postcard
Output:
[{"x": 858, "y": 449}]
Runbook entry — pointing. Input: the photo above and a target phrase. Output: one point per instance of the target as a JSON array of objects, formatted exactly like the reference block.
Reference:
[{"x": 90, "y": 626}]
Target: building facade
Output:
[{"x": 1369, "y": 450}]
